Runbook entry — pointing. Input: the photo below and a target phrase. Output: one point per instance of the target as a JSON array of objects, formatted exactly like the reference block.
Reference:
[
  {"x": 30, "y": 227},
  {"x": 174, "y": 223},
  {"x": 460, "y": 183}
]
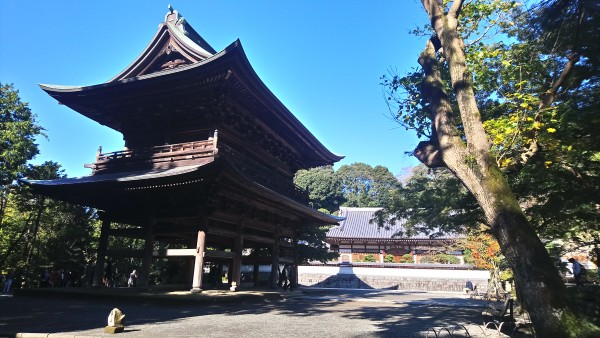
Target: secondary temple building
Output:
[
  {"x": 209, "y": 159},
  {"x": 357, "y": 237}
]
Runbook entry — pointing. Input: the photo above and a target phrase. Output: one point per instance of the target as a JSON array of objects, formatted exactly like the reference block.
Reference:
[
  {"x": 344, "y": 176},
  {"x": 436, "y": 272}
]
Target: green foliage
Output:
[
  {"x": 323, "y": 186},
  {"x": 432, "y": 201},
  {"x": 18, "y": 130},
  {"x": 312, "y": 246},
  {"x": 366, "y": 186},
  {"x": 357, "y": 185},
  {"x": 506, "y": 275},
  {"x": 36, "y": 233},
  {"x": 407, "y": 258},
  {"x": 542, "y": 132},
  {"x": 389, "y": 259},
  {"x": 440, "y": 259},
  {"x": 40, "y": 232},
  {"x": 526, "y": 88},
  {"x": 369, "y": 258}
]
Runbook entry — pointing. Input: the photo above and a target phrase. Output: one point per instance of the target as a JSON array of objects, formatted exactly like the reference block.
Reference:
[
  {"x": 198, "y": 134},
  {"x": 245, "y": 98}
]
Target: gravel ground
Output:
[{"x": 307, "y": 313}]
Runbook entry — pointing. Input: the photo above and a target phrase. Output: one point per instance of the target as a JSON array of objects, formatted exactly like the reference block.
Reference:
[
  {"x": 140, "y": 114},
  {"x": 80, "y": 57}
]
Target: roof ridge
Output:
[
  {"x": 175, "y": 44},
  {"x": 361, "y": 208}
]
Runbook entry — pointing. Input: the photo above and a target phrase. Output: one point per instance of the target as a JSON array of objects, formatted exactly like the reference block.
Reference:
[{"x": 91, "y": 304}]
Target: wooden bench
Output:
[{"x": 494, "y": 315}]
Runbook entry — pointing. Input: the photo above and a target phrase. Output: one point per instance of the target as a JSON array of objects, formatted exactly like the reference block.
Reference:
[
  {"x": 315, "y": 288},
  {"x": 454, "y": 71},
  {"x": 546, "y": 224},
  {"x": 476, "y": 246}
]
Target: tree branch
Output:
[{"x": 456, "y": 8}]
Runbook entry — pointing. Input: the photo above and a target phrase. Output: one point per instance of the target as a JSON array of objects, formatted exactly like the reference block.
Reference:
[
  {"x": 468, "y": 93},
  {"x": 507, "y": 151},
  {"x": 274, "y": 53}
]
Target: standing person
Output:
[
  {"x": 8, "y": 283},
  {"x": 282, "y": 277},
  {"x": 468, "y": 286},
  {"x": 577, "y": 271},
  {"x": 132, "y": 278},
  {"x": 108, "y": 273},
  {"x": 596, "y": 260},
  {"x": 292, "y": 276}
]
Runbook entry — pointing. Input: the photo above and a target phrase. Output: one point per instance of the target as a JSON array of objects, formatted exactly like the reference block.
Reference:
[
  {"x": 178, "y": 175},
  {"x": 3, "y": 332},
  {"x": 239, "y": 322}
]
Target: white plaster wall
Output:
[{"x": 395, "y": 272}]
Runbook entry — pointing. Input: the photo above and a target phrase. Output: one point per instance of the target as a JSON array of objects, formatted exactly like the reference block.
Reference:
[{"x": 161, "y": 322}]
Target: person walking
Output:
[
  {"x": 132, "y": 279},
  {"x": 7, "y": 283},
  {"x": 596, "y": 260},
  {"x": 577, "y": 271}
]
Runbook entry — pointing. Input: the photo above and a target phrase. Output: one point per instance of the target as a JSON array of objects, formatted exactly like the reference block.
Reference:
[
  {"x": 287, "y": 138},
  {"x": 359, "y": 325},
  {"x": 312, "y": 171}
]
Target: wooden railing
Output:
[
  {"x": 190, "y": 153},
  {"x": 159, "y": 157}
]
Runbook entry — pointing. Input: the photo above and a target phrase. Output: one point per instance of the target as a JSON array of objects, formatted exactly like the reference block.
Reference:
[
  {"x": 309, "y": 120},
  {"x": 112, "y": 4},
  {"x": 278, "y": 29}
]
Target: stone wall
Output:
[{"x": 390, "y": 278}]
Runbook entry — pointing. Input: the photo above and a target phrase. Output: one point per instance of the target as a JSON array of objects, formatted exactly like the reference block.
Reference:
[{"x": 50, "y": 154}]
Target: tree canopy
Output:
[
  {"x": 36, "y": 232},
  {"x": 503, "y": 115},
  {"x": 323, "y": 186},
  {"x": 366, "y": 186},
  {"x": 18, "y": 130}
]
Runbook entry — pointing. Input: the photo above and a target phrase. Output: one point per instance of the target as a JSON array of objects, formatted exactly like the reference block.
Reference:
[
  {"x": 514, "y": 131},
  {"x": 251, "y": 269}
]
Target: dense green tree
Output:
[
  {"x": 560, "y": 186},
  {"x": 323, "y": 186},
  {"x": 35, "y": 232},
  {"x": 42, "y": 233},
  {"x": 312, "y": 246},
  {"x": 325, "y": 194},
  {"x": 367, "y": 186},
  {"x": 432, "y": 201},
  {"x": 492, "y": 107},
  {"x": 18, "y": 130}
]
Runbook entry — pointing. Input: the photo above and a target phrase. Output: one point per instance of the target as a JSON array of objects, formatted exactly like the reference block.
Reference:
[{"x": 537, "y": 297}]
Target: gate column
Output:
[
  {"x": 100, "y": 255},
  {"x": 198, "y": 263},
  {"x": 275, "y": 259},
  {"x": 144, "y": 280},
  {"x": 238, "y": 247}
]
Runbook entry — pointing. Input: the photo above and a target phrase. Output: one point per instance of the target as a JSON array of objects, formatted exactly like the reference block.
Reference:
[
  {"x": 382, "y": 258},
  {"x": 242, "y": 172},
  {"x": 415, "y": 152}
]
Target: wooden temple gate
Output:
[{"x": 202, "y": 195}]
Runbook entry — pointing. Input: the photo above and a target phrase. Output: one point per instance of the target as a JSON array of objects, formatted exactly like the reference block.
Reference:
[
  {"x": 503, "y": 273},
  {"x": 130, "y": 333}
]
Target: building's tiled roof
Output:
[{"x": 357, "y": 225}]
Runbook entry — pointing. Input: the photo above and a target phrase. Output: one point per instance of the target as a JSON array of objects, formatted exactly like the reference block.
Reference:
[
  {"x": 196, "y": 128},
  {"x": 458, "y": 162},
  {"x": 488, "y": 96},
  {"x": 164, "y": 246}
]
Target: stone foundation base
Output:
[{"x": 114, "y": 329}]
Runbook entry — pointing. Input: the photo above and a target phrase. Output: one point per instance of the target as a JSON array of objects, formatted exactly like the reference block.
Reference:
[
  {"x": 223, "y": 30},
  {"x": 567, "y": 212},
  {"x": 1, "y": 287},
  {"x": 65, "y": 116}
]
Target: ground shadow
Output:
[{"x": 393, "y": 314}]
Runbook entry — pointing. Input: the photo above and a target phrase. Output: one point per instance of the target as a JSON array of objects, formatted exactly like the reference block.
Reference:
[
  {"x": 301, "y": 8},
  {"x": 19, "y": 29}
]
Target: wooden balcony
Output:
[
  {"x": 195, "y": 153},
  {"x": 159, "y": 157}
]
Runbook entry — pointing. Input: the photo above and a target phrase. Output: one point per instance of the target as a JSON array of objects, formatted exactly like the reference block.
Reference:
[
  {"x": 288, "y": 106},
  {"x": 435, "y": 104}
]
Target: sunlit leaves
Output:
[
  {"x": 323, "y": 186},
  {"x": 18, "y": 130},
  {"x": 544, "y": 137},
  {"x": 482, "y": 250},
  {"x": 366, "y": 186},
  {"x": 433, "y": 201}
]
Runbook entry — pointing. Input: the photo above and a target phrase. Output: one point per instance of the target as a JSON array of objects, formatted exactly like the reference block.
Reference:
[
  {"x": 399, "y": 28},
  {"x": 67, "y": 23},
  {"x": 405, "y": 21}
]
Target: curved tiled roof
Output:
[{"x": 357, "y": 225}]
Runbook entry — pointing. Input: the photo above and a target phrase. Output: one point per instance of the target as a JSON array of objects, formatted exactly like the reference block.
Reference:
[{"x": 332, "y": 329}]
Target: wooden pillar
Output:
[
  {"x": 101, "y": 253},
  {"x": 414, "y": 254},
  {"x": 296, "y": 261},
  {"x": 275, "y": 259},
  {"x": 238, "y": 247},
  {"x": 255, "y": 274},
  {"x": 144, "y": 280},
  {"x": 189, "y": 269},
  {"x": 199, "y": 263}
]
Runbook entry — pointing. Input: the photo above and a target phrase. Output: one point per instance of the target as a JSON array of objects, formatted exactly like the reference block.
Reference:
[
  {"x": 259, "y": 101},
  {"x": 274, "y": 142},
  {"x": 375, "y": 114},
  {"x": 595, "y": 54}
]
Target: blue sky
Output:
[{"x": 322, "y": 59}]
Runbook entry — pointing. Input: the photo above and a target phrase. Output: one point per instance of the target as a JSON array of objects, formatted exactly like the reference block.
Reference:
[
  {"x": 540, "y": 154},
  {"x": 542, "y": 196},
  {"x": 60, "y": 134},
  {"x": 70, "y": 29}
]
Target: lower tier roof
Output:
[{"x": 190, "y": 188}]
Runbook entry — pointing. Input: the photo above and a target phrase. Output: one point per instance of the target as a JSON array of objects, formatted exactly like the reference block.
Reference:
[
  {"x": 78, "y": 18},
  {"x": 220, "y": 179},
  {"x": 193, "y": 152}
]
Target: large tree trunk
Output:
[{"x": 543, "y": 291}]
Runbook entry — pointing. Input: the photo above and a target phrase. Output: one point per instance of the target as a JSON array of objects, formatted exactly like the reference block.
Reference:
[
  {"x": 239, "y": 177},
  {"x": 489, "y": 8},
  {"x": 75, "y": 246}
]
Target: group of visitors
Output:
[
  {"x": 57, "y": 278},
  {"x": 108, "y": 280},
  {"x": 112, "y": 276}
]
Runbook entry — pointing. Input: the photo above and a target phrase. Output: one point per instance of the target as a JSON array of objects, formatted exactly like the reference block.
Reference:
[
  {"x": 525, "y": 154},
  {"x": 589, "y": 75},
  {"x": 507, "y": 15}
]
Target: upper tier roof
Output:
[
  {"x": 178, "y": 70},
  {"x": 174, "y": 44},
  {"x": 357, "y": 225}
]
